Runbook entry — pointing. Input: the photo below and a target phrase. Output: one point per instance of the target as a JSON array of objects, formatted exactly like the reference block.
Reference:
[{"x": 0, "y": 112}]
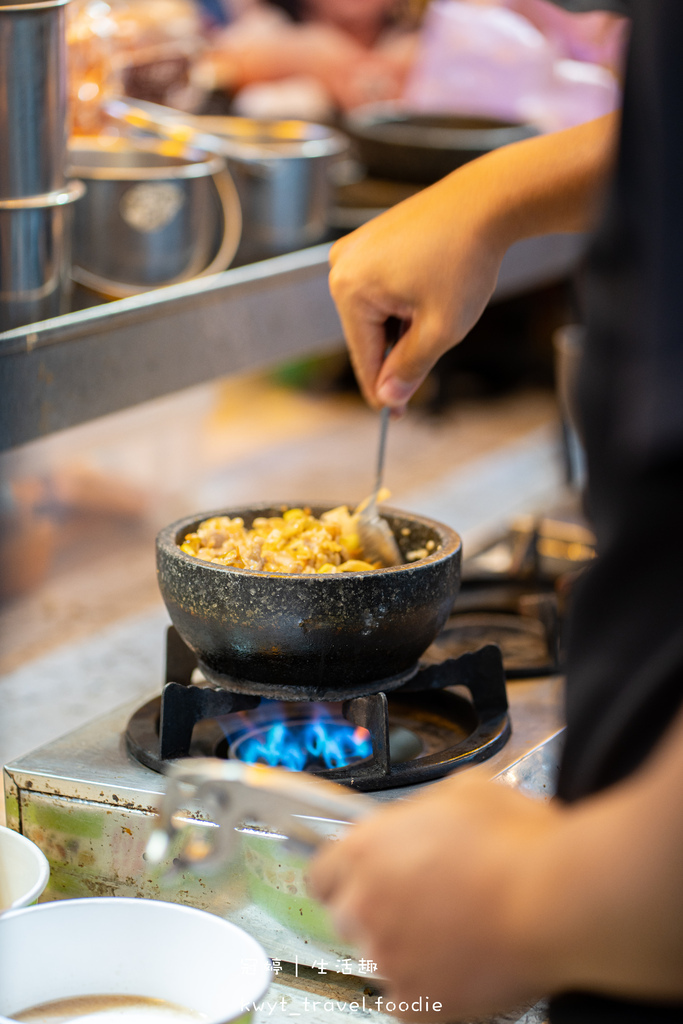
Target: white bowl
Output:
[
  {"x": 133, "y": 947},
  {"x": 24, "y": 870}
]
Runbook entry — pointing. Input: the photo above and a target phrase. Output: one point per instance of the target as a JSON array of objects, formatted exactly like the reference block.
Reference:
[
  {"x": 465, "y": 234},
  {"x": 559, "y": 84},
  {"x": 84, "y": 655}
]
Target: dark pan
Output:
[
  {"x": 404, "y": 146},
  {"x": 310, "y": 637}
]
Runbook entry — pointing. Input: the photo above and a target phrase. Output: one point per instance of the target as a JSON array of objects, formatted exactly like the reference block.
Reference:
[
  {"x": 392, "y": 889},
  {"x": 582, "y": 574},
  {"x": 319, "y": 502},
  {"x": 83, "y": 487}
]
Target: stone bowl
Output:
[{"x": 310, "y": 637}]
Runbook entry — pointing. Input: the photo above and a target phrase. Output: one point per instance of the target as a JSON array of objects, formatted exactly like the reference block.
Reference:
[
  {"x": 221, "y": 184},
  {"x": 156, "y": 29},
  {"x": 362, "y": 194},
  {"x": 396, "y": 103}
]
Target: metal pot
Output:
[
  {"x": 282, "y": 170},
  {"x": 149, "y": 218},
  {"x": 314, "y": 636},
  {"x": 409, "y": 146},
  {"x": 282, "y": 174}
]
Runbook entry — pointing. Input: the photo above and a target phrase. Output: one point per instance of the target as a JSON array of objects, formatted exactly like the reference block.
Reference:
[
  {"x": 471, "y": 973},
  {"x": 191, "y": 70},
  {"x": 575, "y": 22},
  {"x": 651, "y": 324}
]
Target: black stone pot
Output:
[
  {"x": 310, "y": 637},
  {"x": 410, "y": 146}
]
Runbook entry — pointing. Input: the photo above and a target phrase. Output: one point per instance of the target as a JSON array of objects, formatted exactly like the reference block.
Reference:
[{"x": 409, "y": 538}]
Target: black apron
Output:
[{"x": 625, "y": 650}]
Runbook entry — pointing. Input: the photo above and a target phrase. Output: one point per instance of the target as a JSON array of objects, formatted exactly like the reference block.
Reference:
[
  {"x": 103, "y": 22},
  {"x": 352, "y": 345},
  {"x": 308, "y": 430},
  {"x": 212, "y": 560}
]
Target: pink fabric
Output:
[
  {"x": 596, "y": 37},
  {"x": 519, "y": 64}
]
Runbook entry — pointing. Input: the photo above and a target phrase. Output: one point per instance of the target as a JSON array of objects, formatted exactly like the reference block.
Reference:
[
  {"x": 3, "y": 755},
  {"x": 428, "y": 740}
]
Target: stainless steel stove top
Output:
[{"x": 90, "y": 806}]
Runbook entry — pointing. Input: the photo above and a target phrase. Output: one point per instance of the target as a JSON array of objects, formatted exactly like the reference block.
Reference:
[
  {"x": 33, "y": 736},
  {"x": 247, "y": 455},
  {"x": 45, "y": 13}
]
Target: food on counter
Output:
[{"x": 295, "y": 542}]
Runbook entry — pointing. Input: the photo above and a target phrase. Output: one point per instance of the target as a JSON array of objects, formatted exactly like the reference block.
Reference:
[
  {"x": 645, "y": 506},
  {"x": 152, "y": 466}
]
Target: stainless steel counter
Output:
[{"x": 91, "y": 807}]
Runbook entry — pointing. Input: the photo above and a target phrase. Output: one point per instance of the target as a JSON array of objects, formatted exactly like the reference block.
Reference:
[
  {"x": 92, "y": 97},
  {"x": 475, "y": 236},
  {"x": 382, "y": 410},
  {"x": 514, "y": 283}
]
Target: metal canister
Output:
[
  {"x": 35, "y": 255},
  {"x": 33, "y": 97},
  {"x": 35, "y": 197}
]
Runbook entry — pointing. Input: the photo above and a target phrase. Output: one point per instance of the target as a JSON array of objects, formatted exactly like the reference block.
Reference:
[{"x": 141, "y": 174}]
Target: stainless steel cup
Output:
[
  {"x": 35, "y": 247},
  {"x": 33, "y": 97}
]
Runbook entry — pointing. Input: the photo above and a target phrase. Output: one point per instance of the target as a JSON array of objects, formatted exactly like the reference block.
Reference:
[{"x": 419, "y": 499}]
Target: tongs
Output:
[
  {"x": 233, "y": 795},
  {"x": 377, "y": 540},
  {"x": 174, "y": 126}
]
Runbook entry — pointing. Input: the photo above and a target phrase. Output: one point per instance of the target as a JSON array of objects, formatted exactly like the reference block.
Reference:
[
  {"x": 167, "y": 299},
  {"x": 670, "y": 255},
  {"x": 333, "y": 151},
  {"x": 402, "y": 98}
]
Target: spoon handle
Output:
[
  {"x": 393, "y": 329},
  {"x": 383, "y": 425}
]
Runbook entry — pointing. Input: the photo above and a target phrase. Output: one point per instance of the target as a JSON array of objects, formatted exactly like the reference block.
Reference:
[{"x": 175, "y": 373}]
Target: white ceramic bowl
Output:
[
  {"x": 24, "y": 870},
  {"x": 134, "y": 947}
]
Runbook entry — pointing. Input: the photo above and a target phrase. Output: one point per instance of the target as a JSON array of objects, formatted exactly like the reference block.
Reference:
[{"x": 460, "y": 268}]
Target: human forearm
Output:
[
  {"x": 277, "y": 51},
  {"x": 552, "y": 183},
  {"x": 484, "y": 899}
]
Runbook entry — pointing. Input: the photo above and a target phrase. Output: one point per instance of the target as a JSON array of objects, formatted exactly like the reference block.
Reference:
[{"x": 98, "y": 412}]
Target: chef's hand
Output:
[
  {"x": 427, "y": 889},
  {"x": 433, "y": 260},
  {"x": 428, "y": 261},
  {"x": 480, "y": 898}
]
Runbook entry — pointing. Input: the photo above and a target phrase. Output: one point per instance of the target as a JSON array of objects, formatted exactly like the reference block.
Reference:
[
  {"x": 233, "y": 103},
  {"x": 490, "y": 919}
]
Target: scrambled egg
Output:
[{"x": 295, "y": 542}]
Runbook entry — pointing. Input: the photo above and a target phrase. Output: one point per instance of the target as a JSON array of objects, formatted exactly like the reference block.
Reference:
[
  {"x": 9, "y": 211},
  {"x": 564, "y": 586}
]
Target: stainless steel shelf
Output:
[
  {"x": 70, "y": 369},
  {"x": 74, "y": 368}
]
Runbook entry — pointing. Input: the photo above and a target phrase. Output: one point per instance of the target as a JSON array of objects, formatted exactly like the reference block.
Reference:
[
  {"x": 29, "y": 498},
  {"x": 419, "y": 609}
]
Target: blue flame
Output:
[{"x": 298, "y": 745}]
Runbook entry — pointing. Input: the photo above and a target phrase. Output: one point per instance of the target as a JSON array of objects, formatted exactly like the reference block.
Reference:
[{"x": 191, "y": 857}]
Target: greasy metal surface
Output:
[
  {"x": 92, "y": 763},
  {"x": 522, "y": 640},
  {"x": 319, "y": 633},
  {"x": 536, "y": 774}
]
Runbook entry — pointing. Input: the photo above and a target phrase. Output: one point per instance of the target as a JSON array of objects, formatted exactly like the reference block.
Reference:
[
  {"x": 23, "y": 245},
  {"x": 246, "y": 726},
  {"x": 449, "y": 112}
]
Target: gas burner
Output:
[
  {"x": 525, "y": 626},
  {"x": 418, "y": 732}
]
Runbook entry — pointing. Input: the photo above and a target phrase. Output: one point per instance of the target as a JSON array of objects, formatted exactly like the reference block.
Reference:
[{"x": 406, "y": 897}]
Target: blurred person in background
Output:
[
  {"x": 325, "y": 55},
  {"x": 471, "y": 893}
]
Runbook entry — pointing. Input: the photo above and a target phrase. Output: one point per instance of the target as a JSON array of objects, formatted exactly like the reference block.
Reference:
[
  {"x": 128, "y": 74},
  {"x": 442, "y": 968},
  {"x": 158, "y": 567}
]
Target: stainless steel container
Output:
[
  {"x": 282, "y": 170},
  {"x": 32, "y": 98},
  {"x": 148, "y": 218},
  {"x": 282, "y": 173},
  {"x": 35, "y": 198},
  {"x": 35, "y": 249}
]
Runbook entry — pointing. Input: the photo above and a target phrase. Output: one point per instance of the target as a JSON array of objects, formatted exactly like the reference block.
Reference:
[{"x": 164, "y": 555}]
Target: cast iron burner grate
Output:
[
  {"x": 452, "y": 731},
  {"x": 524, "y": 622}
]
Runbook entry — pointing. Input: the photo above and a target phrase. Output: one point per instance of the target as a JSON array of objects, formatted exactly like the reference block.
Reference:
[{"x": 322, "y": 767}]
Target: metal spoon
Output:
[{"x": 377, "y": 540}]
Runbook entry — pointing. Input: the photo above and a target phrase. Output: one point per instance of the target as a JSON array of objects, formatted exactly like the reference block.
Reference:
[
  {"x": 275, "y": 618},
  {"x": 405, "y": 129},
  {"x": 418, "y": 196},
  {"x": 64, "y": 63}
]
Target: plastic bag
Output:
[{"x": 493, "y": 62}]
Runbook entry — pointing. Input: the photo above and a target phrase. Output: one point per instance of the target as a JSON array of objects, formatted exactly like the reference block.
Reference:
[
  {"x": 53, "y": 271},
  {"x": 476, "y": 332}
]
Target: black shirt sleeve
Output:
[
  {"x": 625, "y": 672},
  {"x": 625, "y": 662}
]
